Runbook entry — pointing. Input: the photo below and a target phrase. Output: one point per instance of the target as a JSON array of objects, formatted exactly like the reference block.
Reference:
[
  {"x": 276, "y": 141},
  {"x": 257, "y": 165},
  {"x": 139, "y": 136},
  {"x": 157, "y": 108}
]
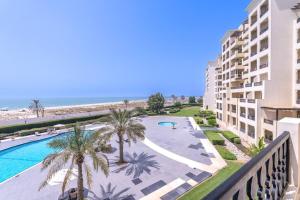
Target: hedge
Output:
[
  {"x": 19, "y": 127},
  {"x": 227, "y": 155},
  {"x": 214, "y": 137},
  {"x": 230, "y": 136},
  {"x": 212, "y": 122}
]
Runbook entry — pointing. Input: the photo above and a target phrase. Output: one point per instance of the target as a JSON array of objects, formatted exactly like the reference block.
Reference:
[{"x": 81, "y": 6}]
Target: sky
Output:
[{"x": 107, "y": 48}]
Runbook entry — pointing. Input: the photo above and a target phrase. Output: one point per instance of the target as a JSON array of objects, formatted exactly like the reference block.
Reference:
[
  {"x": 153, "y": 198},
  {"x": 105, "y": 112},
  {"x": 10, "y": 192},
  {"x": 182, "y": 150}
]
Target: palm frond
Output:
[
  {"x": 89, "y": 180},
  {"x": 68, "y": 175}
]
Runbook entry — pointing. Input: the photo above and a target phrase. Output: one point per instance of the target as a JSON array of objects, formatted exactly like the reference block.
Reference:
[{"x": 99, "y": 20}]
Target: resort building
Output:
[
  {"x": 259, "y": 71},
  {"x": 211, "y": 84}
]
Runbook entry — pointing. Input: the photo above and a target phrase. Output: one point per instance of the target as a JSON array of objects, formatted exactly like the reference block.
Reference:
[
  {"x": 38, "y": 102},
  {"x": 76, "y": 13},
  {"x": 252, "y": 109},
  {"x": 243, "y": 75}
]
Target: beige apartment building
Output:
[
  {"x": 213, "y": 83},
  {"x": 259, "y": 71}
]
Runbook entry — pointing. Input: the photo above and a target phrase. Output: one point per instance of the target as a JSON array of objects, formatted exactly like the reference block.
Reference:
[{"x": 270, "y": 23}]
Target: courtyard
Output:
[{"x": 169, "y": 162}]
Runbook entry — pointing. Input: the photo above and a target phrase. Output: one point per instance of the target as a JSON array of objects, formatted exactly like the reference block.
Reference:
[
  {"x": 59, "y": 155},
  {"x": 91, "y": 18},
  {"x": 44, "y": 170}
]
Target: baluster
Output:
[
  {"x": 279, "y": 171},
  {"x": 254, "y": 187},
  {"x": 269, "y": 186},
  {"x": 261, "y": 177},
  {"x": 274, "y": 175},
  {"x": 283, "y": 163},
  {"x": 242, "y": 193}
]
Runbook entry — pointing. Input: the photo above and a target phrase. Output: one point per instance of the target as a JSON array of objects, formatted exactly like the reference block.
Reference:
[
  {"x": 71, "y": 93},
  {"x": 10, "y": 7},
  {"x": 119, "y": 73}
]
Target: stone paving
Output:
[{"x": 149, "y": 174}]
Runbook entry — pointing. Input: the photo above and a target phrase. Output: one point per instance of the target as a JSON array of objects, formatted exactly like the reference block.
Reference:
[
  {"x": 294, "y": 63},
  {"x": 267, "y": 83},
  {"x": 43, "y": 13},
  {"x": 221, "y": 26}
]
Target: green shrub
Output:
[
  {"x": 192, "y": 99},
  {"x": 229, "y": 135},
  {"x": 140, "y": 111},
  {"x": 174, "y": 110},
  {"x": 237, "y": 140},
  {"x": 227, "y": 155},
  {"x": 212, "y": 122},
  {"x": 214, "y": 137},
  {"x": 177, "y": 104}
]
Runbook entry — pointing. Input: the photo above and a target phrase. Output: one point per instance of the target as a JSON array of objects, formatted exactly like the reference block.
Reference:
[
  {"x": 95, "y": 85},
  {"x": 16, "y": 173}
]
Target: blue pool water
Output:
[
  {"x": 167, "y": 124},
  {"x": 19, "y": 158}
]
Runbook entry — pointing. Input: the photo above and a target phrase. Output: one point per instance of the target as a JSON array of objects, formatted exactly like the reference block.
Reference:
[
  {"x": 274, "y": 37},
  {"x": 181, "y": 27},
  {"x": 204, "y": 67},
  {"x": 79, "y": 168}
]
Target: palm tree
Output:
[
  {"x": 36, "y": 107},
  {"x": 74, "y": 147},
  {"x": 256, "y": 149},
  {"x": 126, "y": 102},
  {"x": 123, "y": 125}
]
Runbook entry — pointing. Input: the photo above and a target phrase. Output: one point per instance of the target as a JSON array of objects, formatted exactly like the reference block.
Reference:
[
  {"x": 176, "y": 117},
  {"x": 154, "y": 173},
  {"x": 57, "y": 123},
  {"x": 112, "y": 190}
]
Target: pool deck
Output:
[{"x": 163, "y": 166}]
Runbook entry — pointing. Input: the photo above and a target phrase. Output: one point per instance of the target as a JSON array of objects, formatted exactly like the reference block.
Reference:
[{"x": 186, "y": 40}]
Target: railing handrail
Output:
[{"x": 226, "y": 186}]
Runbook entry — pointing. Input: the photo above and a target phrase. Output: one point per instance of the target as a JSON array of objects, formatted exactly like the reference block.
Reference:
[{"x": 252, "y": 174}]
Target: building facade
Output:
[
  {"x": 211, "y": 84},
  {"x": 260, "y": 71}
]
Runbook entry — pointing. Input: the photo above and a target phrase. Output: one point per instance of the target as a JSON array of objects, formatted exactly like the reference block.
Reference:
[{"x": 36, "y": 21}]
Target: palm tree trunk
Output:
[
  {"x": 121, "y": 148},
  {"x": 80, "y": 182}
]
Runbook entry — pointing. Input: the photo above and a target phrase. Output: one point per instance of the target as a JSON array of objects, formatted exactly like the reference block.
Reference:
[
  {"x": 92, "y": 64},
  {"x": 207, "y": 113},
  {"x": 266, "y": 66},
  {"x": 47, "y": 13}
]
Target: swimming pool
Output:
[
  {"x": 169, "y": 124},
  {"x": 16, "y": 159}
]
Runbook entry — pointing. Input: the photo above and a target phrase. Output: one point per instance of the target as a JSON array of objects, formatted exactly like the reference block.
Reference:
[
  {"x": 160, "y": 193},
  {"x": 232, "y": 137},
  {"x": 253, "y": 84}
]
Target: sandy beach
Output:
[{"x": 65, "y": 110}]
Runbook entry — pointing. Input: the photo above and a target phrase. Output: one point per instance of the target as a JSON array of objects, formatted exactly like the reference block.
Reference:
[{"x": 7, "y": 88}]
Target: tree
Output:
[
  {"x": 36, "y": 107},
  {"x": 126, "y": 102},
  {"x": 123, "y": 125},
  {"x": 192, "y": 99},
  {"x": 177, "y": 104},
  {"x": 74, "y": 147},
  {"x": 256, "y": 149},
  {"x": 156, "y": 102},
  {"x": 200, "y": 101}
]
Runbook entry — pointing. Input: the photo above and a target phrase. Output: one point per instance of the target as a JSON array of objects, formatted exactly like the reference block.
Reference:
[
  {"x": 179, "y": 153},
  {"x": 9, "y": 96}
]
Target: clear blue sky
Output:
[{"x": 110, "y": 47}]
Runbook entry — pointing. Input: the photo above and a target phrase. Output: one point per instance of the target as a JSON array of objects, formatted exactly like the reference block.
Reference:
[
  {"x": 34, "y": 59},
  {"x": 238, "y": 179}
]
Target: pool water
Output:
[
  {"x": 19, "y": 158},
  {"x": 169, "y": 124}
]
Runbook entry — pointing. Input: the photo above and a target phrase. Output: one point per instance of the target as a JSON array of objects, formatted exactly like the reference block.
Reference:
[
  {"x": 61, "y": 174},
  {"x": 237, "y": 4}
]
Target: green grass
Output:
[
  {"x": 200, "y": 191},
  {"x": 214, "y": 137},
  {"x": 229, "y": 135},
  {"x": 187, "y": 112},
  {"x": 225, "y": 153}
]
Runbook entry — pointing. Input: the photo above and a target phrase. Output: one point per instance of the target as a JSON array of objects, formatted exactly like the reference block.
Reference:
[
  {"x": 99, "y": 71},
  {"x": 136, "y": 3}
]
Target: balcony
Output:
[
  {"x": 251, "y": 117},
  {"x": 263, "y": 47},
  {"x": 263, "y": 30},
  {"x": 257, "y": 83},
  {"x": 243, "y": 100},
  {"x": 253, "y": 53},
  {"x": 248, "y": 85},
  {"x": 237, "y": 87},
  {"x": 251, "y": 100},
  {"x": 266, "y": 176},
  {"x": 263, "y": 66},
  {"x": 298, "y": 20},
  {"x": 268, "y": 121},
  {"x": 242, "y": 130},
  {"x": 234, "y": 110},
  {"x": 253, "y": 68},
  {"x": 236, "y": 76},
  {"x": 263, "y": 11}
]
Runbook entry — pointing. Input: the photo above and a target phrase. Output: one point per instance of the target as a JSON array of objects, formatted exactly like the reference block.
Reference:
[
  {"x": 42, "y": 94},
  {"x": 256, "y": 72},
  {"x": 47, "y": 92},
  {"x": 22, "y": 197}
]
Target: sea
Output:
[{"x": 20, "y": 103}]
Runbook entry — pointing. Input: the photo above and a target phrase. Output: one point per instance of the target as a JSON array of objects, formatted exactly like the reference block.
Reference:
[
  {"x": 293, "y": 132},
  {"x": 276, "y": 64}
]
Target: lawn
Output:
[
  {"x": 187, "y": 112},
  {"x": 200, "y": 191}
]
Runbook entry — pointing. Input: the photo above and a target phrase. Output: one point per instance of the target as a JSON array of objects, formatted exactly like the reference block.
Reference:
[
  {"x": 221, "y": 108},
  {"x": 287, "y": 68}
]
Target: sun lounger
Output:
[{"x": 37, "y": 134}]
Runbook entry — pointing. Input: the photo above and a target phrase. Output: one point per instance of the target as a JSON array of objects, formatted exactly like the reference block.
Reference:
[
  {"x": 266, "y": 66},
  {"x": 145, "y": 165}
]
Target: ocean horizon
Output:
[{"x": 20, "y": 103}]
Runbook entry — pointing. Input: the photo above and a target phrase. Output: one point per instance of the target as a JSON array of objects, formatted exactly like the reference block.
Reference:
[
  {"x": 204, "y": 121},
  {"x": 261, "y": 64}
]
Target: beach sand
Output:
[{"x": 64, "y": 110}]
